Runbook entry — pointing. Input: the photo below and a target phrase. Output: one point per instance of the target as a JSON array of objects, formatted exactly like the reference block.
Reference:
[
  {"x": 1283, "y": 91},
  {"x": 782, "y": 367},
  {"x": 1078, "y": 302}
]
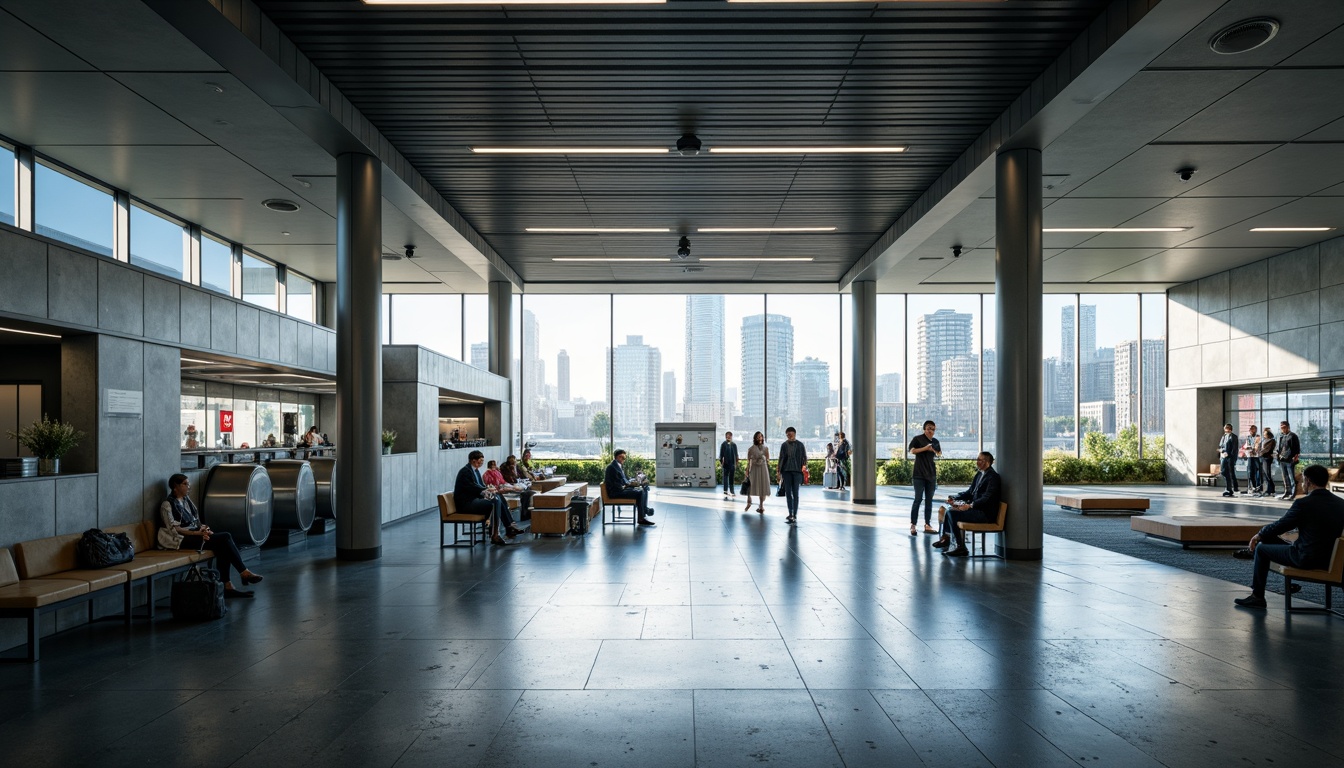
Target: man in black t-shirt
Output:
[{"x": 924, "y": 447}]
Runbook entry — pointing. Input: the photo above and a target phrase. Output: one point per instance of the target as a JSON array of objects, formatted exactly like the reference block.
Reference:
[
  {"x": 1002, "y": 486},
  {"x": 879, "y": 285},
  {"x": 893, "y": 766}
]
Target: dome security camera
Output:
[
  {"x": 1186, "y": 174},
  {"x": 688, "y": 145},
  {"x": 684, "y": 248}
]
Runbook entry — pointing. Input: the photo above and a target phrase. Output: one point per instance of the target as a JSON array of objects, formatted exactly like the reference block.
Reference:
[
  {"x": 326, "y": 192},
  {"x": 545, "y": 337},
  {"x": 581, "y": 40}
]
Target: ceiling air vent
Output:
[
  {"x": 388, "y": 256},
  {"x": 281, "y": 206},
  {"x": 693, "y": 269},
  {"x": 1244, "y": 36}
]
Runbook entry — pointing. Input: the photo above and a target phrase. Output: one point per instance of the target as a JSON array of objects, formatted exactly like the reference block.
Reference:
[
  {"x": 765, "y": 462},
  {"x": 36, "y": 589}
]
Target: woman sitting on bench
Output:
[{"x": 183, "y": 529}]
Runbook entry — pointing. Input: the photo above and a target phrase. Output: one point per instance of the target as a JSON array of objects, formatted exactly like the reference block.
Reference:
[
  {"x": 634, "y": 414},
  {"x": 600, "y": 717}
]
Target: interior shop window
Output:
[
  {"x": 270, "y": 425},
  {"x": 291, "y": 423},
  {"x": 944, "y": 367},
  {"x": 1309, "y": 412},
  {"x": 259, "y": 281},
  {"x": 299, "y": 300},
  {"x": 218, "y": 412},
  {"x": 158, "y": 244},
  {"x": 433, "y": 321},
  {"x": 580, "y": 325},
  {"x": 890, "y": 376},
  {"x": 216, "y": 265},
  {"x": 1273, "y": 405},
  {"x": 307, "y": 417},
  {"x": 476, "y": 330},
  {"x": 244, "y": 423},
  {"x": 72, "y": 210},
  {"x": 8, "y": 184},
  {"x": 193, "y": 423}
]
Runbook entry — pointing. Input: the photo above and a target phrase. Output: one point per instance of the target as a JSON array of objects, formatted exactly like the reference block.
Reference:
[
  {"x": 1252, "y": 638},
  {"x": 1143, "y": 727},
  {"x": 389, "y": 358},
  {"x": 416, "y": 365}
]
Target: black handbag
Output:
[
  {"x": 746, "y": 488},
  {"x": 199, "y": 596},
  {"x": 97, "y": 549}
]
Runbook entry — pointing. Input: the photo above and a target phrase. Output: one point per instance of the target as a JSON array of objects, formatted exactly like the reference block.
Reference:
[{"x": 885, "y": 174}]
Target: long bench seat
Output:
[
  {"x": 44, "y": 575},
  {"x": 559, "y": 498}
]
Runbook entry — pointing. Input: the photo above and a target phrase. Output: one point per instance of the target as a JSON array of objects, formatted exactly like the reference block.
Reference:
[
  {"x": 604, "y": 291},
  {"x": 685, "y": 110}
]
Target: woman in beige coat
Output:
[{"x": 758, "y": 472}]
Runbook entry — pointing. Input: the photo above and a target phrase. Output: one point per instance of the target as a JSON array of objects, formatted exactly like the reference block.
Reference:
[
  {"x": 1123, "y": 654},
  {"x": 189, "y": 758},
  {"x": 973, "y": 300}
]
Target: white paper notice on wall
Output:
[{"x": 123, "y": 403}]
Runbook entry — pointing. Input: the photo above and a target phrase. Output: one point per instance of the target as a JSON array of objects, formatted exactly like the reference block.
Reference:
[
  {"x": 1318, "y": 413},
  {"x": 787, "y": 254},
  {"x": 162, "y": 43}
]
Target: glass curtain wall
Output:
[
  {"x": 476, "y": 330},
  {"x": 1313, "y": 409},
  {"x": 71, "y": 210},
  {"x": 802, "y": 368},
  {"x": 216, "y": 265},
  {"x": 989, "y": 370},
  {"x": 891, "y": 376},
  {"x": 744, "y": 368},
  {"x": 1153, "y": 373},
  {"x": 299, "y": 299},
  {"x": 582, "y": 326},
  {"x": 158, "y": 244},
  {"x": 432, "y": 320},
  {"x": 1108, "y": 387},
  {"x": 259, "y": 283},
  {"x": 8, "y": 184},
  {"x": 1058, "y": 373},
  {"x": 944, "y": 366}
]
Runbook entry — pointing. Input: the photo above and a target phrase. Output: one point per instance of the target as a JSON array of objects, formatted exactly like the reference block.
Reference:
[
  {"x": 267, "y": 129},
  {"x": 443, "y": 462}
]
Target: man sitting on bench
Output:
[
  {"x": 621, "y": 487},
  {"x": 1318, "y": 517},
  {"x": 471, "y": 495},
  {"x": 978, "y": 504}
]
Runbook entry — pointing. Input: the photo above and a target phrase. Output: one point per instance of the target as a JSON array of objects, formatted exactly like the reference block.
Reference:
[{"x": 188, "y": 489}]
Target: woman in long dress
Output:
[{"x": 758, "y": 472}]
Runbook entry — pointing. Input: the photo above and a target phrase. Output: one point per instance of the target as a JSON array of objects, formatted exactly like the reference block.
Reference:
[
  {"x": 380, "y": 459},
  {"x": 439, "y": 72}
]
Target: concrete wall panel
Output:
[
  {"x": 1249, "y": 358},
  {"x": 289, "y": 330},
  {"x": 163, "y": 398},
  {"x": 1249, "y": 284},
  {"x": 162, "y": 310},
  {"x": 1215, "y": 293},
  {"x": 249, "y": 331},
  {"x": 1294, "y": 353},
  {"x": 27, "y": 510},
  {"x": 223, "y": 324},
  {"x": 23, "y": 262},
  {"x": 1250, "y": 320},
  {"x": 1332, "y": 262},
  {"x": 1213, "y": 327},
  {"x": 1332, "y": 346},
  {"x": 1294, "y": 272},
  {"x": 76, "y": 504},
  {"x": 1216, "y": 361},
  {"x": 194, "y": 328},
  {"x": 269, "y": 337},
  {"x": 1296, "y": 311},
  {"x": 1332, "y": 304},
  {"x": 121, "y": 455},
  {"x": 1183, "y": 316},
  {"x": 72, "y": 287},
  {"x": 121, "y": 298}
]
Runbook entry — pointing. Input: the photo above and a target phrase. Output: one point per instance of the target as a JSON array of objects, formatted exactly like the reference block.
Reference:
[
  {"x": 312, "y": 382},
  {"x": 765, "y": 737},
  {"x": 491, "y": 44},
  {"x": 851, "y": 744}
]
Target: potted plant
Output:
[
  {"x": 48, "y": 440},
  {"x": 389, "y": 439}
]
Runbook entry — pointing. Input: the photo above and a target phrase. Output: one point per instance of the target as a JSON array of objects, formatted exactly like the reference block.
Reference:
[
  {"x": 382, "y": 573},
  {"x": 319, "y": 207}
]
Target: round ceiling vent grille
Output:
[
  {"x": 1244, "y": 36},
  {"x": 281, "y": 206}
]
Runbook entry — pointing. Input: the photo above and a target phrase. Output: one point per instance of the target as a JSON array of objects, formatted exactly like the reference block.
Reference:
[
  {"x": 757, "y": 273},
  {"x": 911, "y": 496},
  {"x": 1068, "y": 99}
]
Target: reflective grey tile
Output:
[
  {"x": 783, "y": 728},
  {"x": 686, "y": 664}
]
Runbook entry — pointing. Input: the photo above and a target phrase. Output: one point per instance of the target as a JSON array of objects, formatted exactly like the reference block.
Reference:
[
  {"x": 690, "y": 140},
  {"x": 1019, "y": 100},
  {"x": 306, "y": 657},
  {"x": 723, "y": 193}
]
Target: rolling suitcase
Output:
[
  {"x": 578, "y": 515},
  {"x": 828, "y": 479}
]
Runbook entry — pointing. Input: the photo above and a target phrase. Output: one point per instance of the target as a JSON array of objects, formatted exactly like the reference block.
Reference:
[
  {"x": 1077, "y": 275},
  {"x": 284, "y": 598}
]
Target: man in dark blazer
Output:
[
  {"x": 1288, "y": 452},
  {"x": 620, "y": 487},
  {"x": 1227, "y": 459},
  {"x": 1319, "y": 519},
  {"x": 473, "y": 497},
  {"x": 977, "y": 504},
  {"x": 728, "y": 465}
]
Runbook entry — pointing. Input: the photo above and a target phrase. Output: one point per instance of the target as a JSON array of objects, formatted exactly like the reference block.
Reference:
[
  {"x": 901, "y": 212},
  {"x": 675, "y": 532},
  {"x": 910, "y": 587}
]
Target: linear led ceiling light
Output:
[
  {"x": 570, "y": 150},
  {"x": 1115, "y": 229},
  {"x": 722, "y": 230},
  {"x": 606, "y": 258},
  {"x": 756, "y": 258},
  {"x": 1291, "y": 229},
  {"x": 514, "y": 2},
  {"x": 31, "y": 333},
  {"x": 596, "y": 230},
  {"x": 799, "y": 150}
]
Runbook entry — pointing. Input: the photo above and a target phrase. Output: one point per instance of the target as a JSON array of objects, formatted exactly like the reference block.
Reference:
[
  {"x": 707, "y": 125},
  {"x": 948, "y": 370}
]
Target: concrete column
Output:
[
  {"x": 1018, "y": 284},
  {"x": 359, "y": 362},
  {"x": 501, "y": 328},
  {"x": 862, "y": 432}
]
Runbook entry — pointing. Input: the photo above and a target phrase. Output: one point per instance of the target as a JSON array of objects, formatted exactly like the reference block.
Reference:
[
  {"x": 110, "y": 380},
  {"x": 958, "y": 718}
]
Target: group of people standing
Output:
[
  {"x": 792, "y": 463},
  {"x": 1261, "y": 451}
]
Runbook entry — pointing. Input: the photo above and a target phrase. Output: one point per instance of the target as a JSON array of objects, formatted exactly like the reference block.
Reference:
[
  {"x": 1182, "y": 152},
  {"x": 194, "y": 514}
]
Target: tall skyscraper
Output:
[
  {"x": 562, "y": 376},
  {"x": 1127, "y": 385},
  {"x": 767, "y": 371},
  {"x": 669, "y": 396},
  {"x": 939, "y": 337},
  {"x": 635, "y": 383},
  {"x": 960, "y": 390},
  {"x": 704, "y": 394},
  {"x": 889, "y": 388},
  {"x": 1098, "y": 376},
  {"x": 480, "y": 355},
  {"x": 536, "y": 407},
  {"x": 811, "y": 393},
  {"x": 1087, "y": 334}
]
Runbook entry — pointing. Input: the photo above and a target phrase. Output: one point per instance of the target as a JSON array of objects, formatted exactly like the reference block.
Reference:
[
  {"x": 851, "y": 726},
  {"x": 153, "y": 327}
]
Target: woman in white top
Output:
[{"x": 183, "y": 529}]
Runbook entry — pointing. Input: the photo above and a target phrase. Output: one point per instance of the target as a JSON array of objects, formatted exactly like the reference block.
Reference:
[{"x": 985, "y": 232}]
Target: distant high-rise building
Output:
[
  {"x": 669, "y": 396},
  {"x": 1057, "y": 383},
  {"x": 635, "y": 383},
  {"x": 1127, "y": 389},
  {"x": 810, "y": 393},
  {"x": 1098, "y": 376},
  {"x": 960, "y": 389},
  {"x": 480, "y": 355},
  {"x": 767, "y": 371},
  {"x": 889, "y": 388},
  {"x": 536, "y": 407},
  {"x": 703, "y": 395},
  {"x": 1097, "y": 416},
  {"x": 1087, "y": 334},
  {"x": 562, "y": 376},
  {"x": 940, "y": 336}
]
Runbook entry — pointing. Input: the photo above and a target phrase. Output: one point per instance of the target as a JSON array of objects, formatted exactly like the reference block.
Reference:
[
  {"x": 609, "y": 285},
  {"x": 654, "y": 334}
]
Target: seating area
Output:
[
  {"x": 1197, "y": 530},
  {"x": 1104, "y": 505},
  {"x": 1330, "y": 577},
  {"x": 473, "y": 524},
  {"x": 980, "y": 529},
  {"x": 43, "y": 575}
]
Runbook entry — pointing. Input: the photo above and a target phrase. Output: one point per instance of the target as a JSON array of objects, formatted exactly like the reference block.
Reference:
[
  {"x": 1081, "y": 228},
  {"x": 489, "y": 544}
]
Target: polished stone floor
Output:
[{"x": 717, "y": 638}]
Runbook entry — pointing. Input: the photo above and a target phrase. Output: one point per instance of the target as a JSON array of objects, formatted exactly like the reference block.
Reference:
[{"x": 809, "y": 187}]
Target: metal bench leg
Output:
[{"x": 34, "y": 635}]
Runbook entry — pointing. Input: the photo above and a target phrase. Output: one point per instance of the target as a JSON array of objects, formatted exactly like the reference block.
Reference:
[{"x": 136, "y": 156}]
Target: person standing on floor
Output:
[
  {"x": 842, "y": 451},
  {"x": 728, "y": 466},
  {"x": 1289, "y": 451},
  {"x": 1227, "y": 459},
  {"x": 924, "y": 447},
  {"x": 758, "y": 472},
  {"x": 792, "y": 459},
  {"x": 1265, "y": 458},
  {"x": 1251, "y": 450}
]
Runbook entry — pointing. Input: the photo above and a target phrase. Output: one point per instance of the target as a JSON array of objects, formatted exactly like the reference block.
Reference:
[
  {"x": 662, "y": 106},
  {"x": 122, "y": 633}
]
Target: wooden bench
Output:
[
  {"x": 1330, "y": 576},
  {"x": 1197, "y": 530},
  {"x": 43, "y": 575},
  {"x": 558, "y": 498},
  {"x": 1207, "y": 478},
  {"x": 549, "y": 483},
  {"x": 1104, "y": 505},
  {"x": 448, "y": 514},
  {"x": 983, "y": 528},
  {"x": 614, "y": 504},
  {"x": 557, "y": 521}
]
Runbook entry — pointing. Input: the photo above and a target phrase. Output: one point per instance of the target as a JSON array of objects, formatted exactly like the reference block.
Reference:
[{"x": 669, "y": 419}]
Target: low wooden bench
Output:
[
  {"x": 43, "y": 575},
  {"x": 558, "y": 498},
  {"x": 549, "y": 484},
  {"x": 448, "y": 515},
  {"x": 557, "y": 521},
  {"x": 1104, "y": 505},
  {"x": 1330, "y": 577},
  {"x": 1197, "y": 530},
  {"x": 1207, "y": 478},
  {"x": 983, "y": 528}
]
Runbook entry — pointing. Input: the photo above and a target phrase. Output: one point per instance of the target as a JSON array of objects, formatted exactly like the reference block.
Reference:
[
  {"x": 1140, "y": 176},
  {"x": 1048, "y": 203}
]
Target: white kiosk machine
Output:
[{"x": 686, "y": 454}]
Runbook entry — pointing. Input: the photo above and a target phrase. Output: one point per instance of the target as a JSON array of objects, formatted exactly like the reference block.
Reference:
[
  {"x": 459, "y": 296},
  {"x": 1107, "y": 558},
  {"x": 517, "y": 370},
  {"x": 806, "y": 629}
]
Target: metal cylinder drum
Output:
[
  {"x": 237, "y": 499},
  {"x": 294, "y": 494},
  {"x": 324, "y": 474}
]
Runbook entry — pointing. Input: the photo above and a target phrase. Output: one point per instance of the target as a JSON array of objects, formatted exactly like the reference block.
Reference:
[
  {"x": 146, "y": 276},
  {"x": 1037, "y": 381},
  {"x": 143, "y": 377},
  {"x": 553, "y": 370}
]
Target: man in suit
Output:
[
  {"x": 472, "y": 496},
  {"x": 977, "y": 504},
  {"x": 621, "y": 487},
  {"x": 1289, "y": 450},
  {"x": 728, "y": 465},
  {"x": 1319, "y": 519},
  {"x": 1227, "y": 456},
  {"x": 842, "y": 450}
]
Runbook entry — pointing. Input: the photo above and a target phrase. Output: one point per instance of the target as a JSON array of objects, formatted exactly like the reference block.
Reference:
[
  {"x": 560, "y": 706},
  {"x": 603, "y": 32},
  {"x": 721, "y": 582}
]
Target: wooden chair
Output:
[
  {"x": 971, "y": 529},
  {"x": 1332, "y": 576},
  {"x": 609, "y": 503},
  {"x": 448, "y": 514}
]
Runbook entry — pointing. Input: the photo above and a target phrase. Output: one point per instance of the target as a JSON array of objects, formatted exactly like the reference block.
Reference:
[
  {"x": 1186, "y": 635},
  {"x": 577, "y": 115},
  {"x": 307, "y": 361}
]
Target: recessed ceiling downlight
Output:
[
  {"x": 281, "y": 206},
  {"x": 1246, "y": 35}
]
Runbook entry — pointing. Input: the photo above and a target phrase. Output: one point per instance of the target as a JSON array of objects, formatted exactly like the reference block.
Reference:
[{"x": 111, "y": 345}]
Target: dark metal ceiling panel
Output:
[{"x": 437, "y": 81}]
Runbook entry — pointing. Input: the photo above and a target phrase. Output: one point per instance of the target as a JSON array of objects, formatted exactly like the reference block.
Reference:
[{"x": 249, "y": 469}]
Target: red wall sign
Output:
[{"x": 226, "y": 421}]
